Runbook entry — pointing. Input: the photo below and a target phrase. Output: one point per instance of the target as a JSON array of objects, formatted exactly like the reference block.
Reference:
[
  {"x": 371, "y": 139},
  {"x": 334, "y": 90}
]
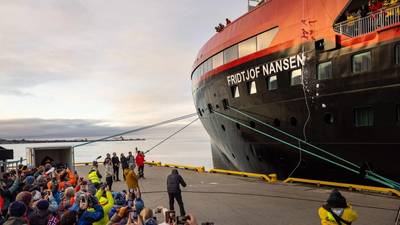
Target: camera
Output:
[
  {"x": 181, "y": 220},
  {"x": 170, "y": 216}
]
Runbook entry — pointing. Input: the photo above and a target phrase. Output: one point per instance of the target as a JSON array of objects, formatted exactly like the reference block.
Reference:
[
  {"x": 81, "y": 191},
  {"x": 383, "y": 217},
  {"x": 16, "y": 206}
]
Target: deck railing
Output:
[{"x": 383, "y": 18}]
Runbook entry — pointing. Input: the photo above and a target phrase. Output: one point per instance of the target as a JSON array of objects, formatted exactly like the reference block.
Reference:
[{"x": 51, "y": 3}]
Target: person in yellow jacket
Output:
[
  {"x": 94, "y": 175},
  {"x": 337, "y": 211},
  {"x": 131, "y": 178},
  {"x": 106, "y": 203}
]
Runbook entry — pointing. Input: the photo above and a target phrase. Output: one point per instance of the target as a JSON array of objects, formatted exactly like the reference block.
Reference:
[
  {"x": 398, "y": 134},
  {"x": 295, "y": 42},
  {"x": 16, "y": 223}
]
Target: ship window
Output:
[
  {"x": 264, "y": 39},
  {"x": 235, "y": 91},
  {"x": 247, "y": 47},
  {"x": 325, "y": 70},
  {"x": 207, "y": 65},
  {"x": 362, "y": 62},
  {"x": 397, "y": 54},
  {"x": 363, "y": 117},
  {"x": 272, "y": 83},
  {"x": 230, "y": 54},
  {"x": 251, "y": 87},
  {"x": 218, "y": 60},
  {"x": 295, "y": 77}
]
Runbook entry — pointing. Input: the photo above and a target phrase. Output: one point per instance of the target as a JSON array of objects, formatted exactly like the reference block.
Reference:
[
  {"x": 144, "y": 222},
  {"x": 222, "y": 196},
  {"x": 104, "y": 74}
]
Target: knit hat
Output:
[
  {"x": 119, "y": 199},
  {"x": 43, "y": 204},
  {"x": 336, "y": 200},
  {"x": 24, "y": 197},
  {"x": 17, "y": 209},
  {"x": 69, "y": 192},
  {"x": 29, "y": 180},
  {"x": 139, "y": 204}
]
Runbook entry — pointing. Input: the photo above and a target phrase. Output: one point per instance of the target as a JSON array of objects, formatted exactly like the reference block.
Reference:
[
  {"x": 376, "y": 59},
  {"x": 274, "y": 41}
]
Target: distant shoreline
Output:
[{"x": 27, "y": 141}]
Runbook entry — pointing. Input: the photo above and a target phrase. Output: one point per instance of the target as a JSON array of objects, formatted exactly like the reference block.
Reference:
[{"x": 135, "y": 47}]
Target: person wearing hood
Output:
[
  {"x": 16, "y": 213},
  {"x": 174, "y": 181},
  {"x": 336, "y": 211},
  {"x": 109, "y": 173},
  {"x": 106, "y": 203}
]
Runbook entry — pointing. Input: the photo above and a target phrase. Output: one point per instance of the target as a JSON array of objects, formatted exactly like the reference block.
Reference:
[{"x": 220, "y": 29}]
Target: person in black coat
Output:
[
  {"x": 124, "y": 163},
  {"x": 115, "y": 163},
  {"x": 174, "y": 181}
]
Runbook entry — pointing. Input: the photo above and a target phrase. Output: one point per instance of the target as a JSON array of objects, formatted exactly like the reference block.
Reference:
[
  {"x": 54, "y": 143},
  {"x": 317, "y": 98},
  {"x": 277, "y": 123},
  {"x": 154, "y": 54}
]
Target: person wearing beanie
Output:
[
  {"x": 26, "y": 198},
  {"x": 336, "y": 211},
  {"x": 40, "y": 213},
  {"x": 16, "y": 213},
  {"x": 147, "y": 217},
  {"x": 86, "y": 215},
  {"x": 106, "y": 203}
]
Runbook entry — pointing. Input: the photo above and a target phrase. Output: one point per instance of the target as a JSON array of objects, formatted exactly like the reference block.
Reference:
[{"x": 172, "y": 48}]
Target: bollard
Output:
[{"x": 273, "y": 177}]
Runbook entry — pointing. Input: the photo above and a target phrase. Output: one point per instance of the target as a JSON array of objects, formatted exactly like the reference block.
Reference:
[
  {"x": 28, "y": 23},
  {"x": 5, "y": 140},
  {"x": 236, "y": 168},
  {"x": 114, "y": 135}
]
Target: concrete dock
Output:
[{"x": 228, "y": 200}]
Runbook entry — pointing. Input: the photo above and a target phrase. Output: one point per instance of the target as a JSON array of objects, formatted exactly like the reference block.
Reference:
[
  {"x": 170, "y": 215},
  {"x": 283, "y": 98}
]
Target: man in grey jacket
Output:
[{"x": 174, "y": 181}]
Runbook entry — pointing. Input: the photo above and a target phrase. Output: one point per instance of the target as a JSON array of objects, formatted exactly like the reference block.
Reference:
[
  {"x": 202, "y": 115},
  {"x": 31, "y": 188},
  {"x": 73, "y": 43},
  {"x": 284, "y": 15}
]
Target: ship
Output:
[{"x": 290, "y": 74}]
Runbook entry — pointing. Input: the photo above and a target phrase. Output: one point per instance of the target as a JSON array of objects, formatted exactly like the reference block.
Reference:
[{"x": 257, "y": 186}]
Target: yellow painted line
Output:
[
  {"x": 153, "y": 163},
  {"x": 195, "y": 168},
  {"x": 243, "y": 174},
  {"x": 343, "y": 185}
]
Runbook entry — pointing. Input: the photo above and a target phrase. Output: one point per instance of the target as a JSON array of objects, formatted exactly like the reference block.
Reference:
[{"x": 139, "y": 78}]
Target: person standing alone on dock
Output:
[
  {"x": 336, "y": 211},
  {"x": 115, "y": 163},
  {"x": 174, "y": 181}
]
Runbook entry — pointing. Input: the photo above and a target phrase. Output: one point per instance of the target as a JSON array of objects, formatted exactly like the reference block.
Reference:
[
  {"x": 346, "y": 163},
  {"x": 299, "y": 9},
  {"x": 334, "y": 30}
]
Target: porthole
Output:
[
  {"x": 277, "y": 122},
  {"x": 328, "y": 118},
  {"x": 202, "y": 110},
  {"x": 238, "y": 126},
  {"x": 252, "y": 124},
  {"x": 223, "y": 127},
  {"x": 293, "y": 121},
  {"x": 217, "y": 106},
  {"x": 233, "y": 156},
  {"x": 201, "y": 114}
]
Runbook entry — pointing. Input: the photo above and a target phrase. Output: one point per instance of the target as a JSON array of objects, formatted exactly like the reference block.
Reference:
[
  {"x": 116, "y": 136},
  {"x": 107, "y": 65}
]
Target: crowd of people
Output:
[
  {"x": 370, "y": 7},
  {"x": 55, "y": 195}
]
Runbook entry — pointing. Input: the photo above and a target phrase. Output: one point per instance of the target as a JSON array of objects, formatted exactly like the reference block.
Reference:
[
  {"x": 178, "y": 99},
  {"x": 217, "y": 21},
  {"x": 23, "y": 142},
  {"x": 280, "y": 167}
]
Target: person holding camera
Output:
[
  {"x": 106, "y": 203},
  {"x": 87, "y": 210},
  {"x": 174, "y": 181}
]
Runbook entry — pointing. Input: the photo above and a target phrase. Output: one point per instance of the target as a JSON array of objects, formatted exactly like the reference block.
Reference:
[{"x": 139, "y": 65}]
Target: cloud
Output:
[
  {"x": 63, "y": 128},
  {"x": 121, "y": 63}
]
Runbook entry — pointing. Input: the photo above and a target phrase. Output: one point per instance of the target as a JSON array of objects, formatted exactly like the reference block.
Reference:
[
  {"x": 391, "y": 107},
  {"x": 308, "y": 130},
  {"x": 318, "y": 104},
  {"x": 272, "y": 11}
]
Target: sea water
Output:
[{"x": 189, "y": 147}]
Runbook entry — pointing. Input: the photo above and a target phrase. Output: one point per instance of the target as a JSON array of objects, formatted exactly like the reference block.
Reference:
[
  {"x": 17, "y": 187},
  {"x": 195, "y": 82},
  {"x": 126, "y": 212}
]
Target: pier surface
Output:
[{"x": 230, "y": 200}]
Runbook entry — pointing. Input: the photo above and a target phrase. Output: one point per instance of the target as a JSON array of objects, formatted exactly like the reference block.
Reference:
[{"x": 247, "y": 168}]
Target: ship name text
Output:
[{"x": 267, "y": 69}]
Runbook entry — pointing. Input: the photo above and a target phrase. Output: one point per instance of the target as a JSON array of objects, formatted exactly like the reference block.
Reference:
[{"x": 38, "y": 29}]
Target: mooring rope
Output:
[
  {"x": 139, "y": 129},
  {"x": 170, "y": 136},
  {"x": 385, "y": 181}
]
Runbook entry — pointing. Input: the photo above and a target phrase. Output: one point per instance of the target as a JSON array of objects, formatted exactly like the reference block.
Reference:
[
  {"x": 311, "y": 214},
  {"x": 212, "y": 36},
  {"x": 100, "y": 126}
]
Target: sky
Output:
[{"x": 94, "y": 67}]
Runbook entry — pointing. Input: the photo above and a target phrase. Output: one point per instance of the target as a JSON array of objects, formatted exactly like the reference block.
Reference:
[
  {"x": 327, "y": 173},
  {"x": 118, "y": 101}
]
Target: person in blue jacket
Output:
[{"x": 85, "y": 216}]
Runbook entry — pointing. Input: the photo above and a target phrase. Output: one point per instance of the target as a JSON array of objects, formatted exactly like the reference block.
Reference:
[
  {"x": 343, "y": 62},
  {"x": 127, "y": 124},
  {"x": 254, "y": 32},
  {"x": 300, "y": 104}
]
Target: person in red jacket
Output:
[{"x": 140, "y": 163}]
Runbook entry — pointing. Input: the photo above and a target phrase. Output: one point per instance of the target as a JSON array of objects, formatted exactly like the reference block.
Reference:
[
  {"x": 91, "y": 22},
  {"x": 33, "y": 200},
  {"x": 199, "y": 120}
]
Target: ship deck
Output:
[{"x": 225, "y": 199}]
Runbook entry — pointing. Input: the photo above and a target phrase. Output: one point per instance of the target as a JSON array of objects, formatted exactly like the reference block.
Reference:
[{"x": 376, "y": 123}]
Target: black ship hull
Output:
[{"x": 329, "y": 104}]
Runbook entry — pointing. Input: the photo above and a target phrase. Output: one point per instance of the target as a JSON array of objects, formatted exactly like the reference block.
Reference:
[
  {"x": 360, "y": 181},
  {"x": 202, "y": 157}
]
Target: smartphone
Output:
[
  {"x": 181, "y": 220},
  {"x": 130, "y": 203},
  {"x": 170, "y": 216},
  {"x": 134, "y": 215}
]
